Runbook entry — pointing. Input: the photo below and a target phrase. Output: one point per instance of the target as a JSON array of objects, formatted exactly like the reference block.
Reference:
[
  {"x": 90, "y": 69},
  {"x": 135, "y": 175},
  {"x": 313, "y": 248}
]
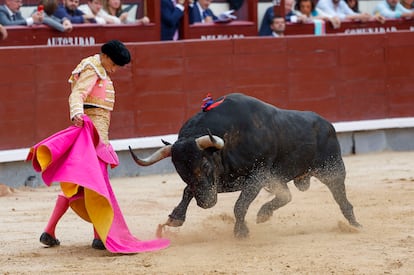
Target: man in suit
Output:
[
  {"x": 171, "y": 13},
  {"x": 69, "y": 9},
  {"x": 278, "y": 26},
  {"x": 267, "y": 19},
  {"x": 201, "y": 13},
  {"x": 10, "y": 14}
]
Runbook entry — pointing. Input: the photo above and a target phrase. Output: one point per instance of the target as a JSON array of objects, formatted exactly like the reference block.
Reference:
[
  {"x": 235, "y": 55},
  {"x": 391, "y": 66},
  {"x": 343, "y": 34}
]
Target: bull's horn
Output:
[
  {"x": 210, "y": 141},
  {"x": 160, "y": 154}
]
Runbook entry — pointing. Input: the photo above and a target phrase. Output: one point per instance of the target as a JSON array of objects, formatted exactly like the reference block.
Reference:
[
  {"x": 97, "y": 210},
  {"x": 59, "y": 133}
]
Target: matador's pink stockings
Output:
[{"x": 62, "y": 205}]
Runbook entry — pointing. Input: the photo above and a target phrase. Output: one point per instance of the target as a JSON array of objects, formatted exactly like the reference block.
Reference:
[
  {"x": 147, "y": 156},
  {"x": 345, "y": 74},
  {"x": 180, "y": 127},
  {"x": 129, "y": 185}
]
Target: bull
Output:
[{"x": 244, "y": 144}]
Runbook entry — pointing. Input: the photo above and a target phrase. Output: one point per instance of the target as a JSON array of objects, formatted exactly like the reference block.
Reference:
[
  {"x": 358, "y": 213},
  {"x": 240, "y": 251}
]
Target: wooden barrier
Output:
[
  {"x": 211, "y": 31},
  {"x": 342, "y": 77}
]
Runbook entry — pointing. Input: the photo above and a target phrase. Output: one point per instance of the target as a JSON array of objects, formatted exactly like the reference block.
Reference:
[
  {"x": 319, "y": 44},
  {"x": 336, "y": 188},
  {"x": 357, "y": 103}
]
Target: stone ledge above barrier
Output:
[{"x": 374, "y": 124}]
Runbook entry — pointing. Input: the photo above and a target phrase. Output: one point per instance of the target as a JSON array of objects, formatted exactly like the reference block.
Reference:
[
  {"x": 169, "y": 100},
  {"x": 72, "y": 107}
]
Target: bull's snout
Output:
[{"x": 206, "y": 201}]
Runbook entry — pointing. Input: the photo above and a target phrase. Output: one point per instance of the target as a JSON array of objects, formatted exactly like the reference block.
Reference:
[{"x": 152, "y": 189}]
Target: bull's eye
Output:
[{"x": 197, "y": 172}]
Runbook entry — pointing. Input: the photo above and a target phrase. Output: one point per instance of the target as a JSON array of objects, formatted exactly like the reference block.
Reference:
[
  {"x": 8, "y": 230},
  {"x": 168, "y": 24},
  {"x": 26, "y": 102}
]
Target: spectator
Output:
[
  {"x": 171, "y": 13},
  {"x": 353, "y": 5},
  {"x": 10, "y": 14},
  {"x": 114, "y": 8},
  {"x": 340, "y": 9},
  {"x": 201, "y": 12},
  {"x": 278, "y": 26},
  {"x": 267, "y": 19},
  {"x": 408, "y": 4},
  {"x": 307, "y": 12},
  {"x": 94, "y": 8},
  {"x": 78, "y": 157},
  {"x": 3, "y": 32},
  {"x": 49, "y": 8},
  {"x": 392, "y": 9},
  {"x": 69, "y": 9}
]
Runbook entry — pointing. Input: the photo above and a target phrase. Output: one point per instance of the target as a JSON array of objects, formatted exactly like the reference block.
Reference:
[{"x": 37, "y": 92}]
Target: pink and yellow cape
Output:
[{"x": 75, "y": 157}]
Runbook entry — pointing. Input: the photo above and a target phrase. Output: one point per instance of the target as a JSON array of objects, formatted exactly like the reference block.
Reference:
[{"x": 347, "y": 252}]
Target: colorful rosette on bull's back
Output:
[{"x": 207, "y": 101}]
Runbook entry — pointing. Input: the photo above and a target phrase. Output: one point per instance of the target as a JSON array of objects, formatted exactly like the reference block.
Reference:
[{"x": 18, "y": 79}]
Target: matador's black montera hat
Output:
[{"x": 117, "y": 51}]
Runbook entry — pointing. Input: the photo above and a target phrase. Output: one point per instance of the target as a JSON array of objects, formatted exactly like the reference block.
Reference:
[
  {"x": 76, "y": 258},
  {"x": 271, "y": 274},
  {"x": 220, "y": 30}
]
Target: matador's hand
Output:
[{"x": 77, "y": 120}]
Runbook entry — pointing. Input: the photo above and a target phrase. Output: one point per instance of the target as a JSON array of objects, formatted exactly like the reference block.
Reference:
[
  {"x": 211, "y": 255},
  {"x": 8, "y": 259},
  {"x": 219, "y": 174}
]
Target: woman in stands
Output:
[
  {"x": 408, "y": 4},
  {"x": 307, "y": 12},
  {"x": 354, "y": 5},
  {"x": 114, "y": 8}
]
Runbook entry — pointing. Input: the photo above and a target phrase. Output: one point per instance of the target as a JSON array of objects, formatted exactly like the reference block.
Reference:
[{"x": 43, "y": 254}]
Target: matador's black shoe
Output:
[
  {"x": 48, "y": 240},
  {"x": 98, "y": 244}
]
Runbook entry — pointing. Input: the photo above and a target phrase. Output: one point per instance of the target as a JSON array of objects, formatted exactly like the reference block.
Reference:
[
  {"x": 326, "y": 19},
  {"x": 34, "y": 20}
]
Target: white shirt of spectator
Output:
[
  {"x": 341, "y": 9},
  {"x": 98, "y": 18},
  {"x": 276, "y": 35},
  {"x": 104, "y": 14}
]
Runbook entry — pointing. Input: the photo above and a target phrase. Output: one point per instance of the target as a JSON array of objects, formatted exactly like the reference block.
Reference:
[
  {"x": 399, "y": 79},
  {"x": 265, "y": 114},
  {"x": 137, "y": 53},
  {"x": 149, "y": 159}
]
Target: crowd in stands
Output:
[
  {"x": 337, "y": 11},
  {"x": 63, "y": 14}
]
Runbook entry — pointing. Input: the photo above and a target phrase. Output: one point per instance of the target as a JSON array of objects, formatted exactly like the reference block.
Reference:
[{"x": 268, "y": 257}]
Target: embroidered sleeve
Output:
[{"x": 81, "y": 88}]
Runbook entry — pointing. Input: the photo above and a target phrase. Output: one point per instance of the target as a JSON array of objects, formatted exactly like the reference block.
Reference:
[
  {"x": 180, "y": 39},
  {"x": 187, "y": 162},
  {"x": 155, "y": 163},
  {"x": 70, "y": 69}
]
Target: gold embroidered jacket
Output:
[{"x": 90, "y": 84}]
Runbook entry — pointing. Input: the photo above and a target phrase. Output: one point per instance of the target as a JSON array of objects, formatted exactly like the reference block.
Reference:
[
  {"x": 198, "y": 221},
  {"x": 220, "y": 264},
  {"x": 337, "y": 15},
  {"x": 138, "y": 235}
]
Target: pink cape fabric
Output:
[{"x": 76, "y": 157}]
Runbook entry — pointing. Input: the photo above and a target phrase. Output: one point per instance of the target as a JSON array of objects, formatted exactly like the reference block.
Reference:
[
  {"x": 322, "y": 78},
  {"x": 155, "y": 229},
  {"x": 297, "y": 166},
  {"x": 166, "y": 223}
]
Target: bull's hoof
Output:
[
  {"x": 302, "y": 184},
  {"x": 263, "y": 215},
  {"x": 356, "y": 224},
  {"x": 170, "y": 222},
  {"x": 174, "y": 223},
  {"x": 263, "y": 218},
  {"x": 348, "y": 228},
  {"x": 241, "y": 231}
]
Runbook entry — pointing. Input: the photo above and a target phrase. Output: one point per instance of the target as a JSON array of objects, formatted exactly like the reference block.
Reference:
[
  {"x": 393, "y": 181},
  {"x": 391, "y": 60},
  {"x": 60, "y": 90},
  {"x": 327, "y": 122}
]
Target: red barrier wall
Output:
[{"x": 342, "y": 77}]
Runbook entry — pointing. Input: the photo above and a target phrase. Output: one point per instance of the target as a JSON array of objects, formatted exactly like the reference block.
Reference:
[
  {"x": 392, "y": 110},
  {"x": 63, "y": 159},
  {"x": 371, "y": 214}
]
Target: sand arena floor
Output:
[{"x": 308, "y": 236}]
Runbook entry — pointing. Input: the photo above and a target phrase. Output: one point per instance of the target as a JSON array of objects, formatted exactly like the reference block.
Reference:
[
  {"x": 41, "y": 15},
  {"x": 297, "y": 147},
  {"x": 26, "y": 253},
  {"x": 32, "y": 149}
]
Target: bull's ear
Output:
[{"x": 165, "y": 142}]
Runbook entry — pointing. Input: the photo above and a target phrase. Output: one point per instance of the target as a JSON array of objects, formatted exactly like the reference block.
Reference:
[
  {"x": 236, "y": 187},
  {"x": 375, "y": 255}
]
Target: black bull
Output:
[{"x": 245, "y": 145}]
